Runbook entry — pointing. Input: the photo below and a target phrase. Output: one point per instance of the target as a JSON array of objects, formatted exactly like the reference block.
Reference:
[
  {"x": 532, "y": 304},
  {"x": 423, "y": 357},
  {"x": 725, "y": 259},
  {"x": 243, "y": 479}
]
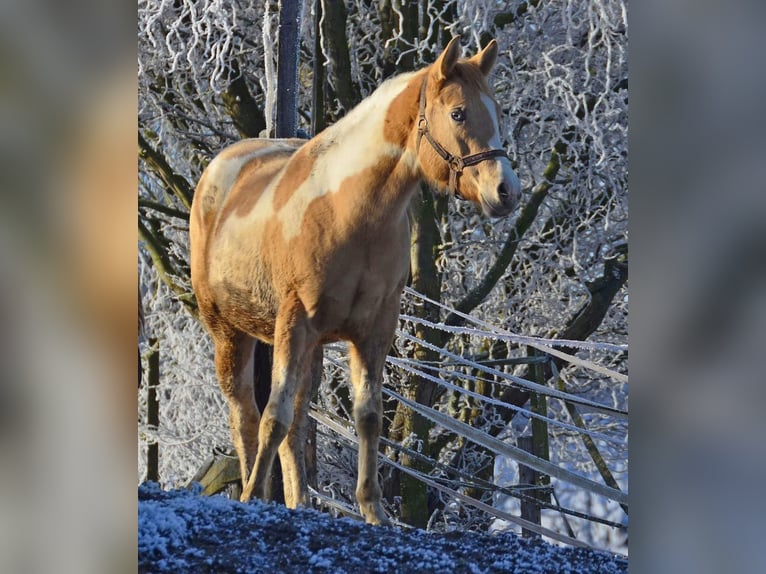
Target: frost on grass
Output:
[{"x": 181, "y": 531}]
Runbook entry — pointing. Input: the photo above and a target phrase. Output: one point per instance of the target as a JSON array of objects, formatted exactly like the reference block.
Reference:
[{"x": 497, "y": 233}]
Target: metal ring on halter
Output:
[{"x": 456, "y": 164}]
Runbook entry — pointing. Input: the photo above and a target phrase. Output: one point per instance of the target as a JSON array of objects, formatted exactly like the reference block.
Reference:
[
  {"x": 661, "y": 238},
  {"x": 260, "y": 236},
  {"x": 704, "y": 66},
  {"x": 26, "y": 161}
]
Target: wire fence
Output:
[
  {"x": 601, "y": 425},
  {"x": 450, "y": 373}
]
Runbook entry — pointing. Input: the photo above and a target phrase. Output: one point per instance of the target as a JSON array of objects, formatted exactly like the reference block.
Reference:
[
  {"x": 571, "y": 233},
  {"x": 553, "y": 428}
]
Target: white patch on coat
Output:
[
  {"x": 239, "y": 236},
  {"x": 489, "y": 103},
  {"x": 357, "y": 144},
  {"x": 509, "y": 176},
  {"x": 223, "y": 171},
  {"x": 354, "y": 144}
]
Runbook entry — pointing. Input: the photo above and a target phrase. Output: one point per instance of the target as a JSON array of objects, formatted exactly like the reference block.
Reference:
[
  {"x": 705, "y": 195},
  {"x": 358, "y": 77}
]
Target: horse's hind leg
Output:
[
  {"x": 234, "y": 367},
  {"x": 291, "y": 341},
  {"x": 292, "y": 451}
]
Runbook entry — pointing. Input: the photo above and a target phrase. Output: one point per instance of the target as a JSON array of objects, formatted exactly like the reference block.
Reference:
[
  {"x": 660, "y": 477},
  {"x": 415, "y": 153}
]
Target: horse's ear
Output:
[
  {"x": 446, "y": 62},
  {"x": 486, "y": 58}
]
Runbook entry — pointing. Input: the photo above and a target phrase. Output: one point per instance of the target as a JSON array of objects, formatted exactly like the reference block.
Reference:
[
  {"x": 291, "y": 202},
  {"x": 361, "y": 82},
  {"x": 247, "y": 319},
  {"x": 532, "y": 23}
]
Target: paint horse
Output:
[{"x": 301, "y": 243}]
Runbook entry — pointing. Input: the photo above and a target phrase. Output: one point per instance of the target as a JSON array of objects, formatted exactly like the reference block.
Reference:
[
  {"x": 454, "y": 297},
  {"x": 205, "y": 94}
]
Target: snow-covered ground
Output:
[{"x": 182, "y": 531}]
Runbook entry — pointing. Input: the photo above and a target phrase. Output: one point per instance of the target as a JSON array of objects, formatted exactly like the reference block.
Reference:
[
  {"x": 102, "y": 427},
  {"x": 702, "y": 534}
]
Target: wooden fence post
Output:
[
  {"x": 528, "y": 478},
  {"x": 536, "y": 444},
  {"x": 538, "y": 404},
  {"x": 153, "y": 411}
]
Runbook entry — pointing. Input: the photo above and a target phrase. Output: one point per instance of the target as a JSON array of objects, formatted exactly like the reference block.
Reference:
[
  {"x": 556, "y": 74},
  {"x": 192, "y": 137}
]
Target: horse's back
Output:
[
  {"x": 247, "y": 158},
  {"x": 231, "y": 185}
]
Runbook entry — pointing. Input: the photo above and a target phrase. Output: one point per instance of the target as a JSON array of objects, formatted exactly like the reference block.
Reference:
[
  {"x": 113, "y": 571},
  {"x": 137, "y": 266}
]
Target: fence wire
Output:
[
  {"x": 457, "y": 376},
  {"x": 454, "y": 373}
]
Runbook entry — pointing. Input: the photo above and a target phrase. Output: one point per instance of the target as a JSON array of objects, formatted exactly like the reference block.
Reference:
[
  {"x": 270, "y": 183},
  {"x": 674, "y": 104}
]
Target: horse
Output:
[{"x": 301, "y": 243}]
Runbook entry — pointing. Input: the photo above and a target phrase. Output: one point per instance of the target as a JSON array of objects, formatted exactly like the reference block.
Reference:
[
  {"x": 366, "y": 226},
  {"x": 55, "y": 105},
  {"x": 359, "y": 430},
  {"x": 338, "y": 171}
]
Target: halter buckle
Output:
[{"x": 456, "y": 164}]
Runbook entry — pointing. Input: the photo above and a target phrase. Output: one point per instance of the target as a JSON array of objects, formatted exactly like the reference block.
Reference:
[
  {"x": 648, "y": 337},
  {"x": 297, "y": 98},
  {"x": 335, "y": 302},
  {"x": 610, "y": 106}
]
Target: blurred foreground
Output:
[{"x": 68, "y": 285}]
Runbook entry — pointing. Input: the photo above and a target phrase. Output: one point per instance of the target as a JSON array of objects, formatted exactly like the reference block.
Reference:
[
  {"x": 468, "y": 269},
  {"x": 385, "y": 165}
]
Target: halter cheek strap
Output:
[{"x": 455, "y": 163}]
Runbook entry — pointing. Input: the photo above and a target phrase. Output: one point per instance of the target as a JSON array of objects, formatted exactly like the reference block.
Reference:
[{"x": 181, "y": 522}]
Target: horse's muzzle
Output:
[{"x": 506, "y": 197}]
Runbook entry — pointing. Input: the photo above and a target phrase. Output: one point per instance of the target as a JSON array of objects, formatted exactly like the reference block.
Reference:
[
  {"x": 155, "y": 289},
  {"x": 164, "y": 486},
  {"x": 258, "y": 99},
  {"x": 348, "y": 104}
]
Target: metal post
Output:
[{"x": 287, "y": 69}]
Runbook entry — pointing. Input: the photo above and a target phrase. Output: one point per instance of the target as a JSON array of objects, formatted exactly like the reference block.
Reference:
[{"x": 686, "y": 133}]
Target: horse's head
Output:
[{"x": 459, "y": 131}]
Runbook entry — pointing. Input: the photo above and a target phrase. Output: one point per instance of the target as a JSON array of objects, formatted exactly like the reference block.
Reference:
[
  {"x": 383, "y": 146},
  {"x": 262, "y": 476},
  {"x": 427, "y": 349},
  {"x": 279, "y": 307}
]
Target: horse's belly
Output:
[
  {"x": 352, "y": 307},
  {"x": 244, "y": 293}
]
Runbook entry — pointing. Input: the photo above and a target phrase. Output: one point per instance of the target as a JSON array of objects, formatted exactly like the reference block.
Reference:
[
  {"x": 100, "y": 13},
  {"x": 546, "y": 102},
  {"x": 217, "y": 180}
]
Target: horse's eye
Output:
[{"x": 458, "y": 115}]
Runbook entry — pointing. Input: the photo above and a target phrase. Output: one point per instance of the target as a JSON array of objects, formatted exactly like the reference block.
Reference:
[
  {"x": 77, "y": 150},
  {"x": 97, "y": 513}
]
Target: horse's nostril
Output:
[{"x": 503, "y": 192}]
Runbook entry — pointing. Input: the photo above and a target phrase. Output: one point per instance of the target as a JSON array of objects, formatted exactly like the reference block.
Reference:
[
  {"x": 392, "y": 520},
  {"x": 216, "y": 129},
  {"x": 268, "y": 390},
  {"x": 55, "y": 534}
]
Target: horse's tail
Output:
[{"x": 264, "y": 359}]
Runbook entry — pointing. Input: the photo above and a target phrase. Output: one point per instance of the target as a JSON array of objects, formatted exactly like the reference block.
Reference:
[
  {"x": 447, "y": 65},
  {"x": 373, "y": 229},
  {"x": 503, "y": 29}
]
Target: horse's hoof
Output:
[
  {"x": 374, "y": 514},
  {"x": 247, "y": 493}
]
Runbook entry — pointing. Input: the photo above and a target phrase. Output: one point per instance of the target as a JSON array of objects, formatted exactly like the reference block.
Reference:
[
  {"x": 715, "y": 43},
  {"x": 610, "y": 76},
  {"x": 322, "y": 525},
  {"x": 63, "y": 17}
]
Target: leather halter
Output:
[{"x": 456, "y": 163}]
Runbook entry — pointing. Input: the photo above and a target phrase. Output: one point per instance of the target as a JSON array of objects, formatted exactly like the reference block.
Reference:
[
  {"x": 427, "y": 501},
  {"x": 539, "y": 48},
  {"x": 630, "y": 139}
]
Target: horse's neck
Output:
[
  {"x": 371, "y": 111},
  {"x": 358, "y": 147}
]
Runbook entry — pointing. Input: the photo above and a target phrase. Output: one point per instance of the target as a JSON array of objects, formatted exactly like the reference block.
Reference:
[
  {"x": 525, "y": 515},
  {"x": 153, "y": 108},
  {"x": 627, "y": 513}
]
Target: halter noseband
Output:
[{"x": 456, "y": 163}]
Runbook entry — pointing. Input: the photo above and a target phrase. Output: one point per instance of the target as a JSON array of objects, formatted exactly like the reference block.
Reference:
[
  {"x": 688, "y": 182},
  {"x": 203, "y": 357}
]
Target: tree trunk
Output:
[
  {"x": 341, "y": 87},
  {"x": 425, "y": 241},
  {"x": 318, "y": 119},
  {"x": 239, "y": 104}
]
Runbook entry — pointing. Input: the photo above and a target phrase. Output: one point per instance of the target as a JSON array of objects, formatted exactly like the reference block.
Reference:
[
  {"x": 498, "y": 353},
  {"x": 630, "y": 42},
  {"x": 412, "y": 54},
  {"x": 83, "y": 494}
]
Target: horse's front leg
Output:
[
  {"x": 292, "y": 338},
  {"x": 292, "y": 451},
  {"x": 367, "y": 358}
]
